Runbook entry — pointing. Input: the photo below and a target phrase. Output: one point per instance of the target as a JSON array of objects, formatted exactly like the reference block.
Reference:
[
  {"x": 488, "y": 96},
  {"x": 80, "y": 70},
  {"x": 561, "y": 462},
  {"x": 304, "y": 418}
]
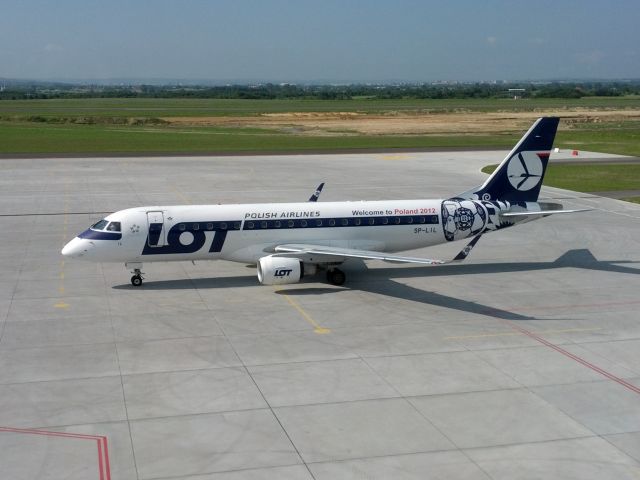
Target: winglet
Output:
[
  {"x": 464, "y": 253},
  {"x": 314, "y": 197}
]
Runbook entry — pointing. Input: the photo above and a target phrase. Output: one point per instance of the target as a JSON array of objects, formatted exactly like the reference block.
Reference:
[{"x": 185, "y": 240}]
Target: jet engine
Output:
[{"x": 274, "y": 270}]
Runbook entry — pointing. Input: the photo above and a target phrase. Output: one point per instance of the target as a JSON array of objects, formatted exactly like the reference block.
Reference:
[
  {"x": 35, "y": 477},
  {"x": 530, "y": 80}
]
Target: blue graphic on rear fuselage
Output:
[{"x": 463, "y": 218}]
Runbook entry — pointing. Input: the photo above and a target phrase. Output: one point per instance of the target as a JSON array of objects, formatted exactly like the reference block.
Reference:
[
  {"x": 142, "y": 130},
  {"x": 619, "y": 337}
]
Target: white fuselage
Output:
[
  {"x": 247, "y": 232},
  {"x": 244, "y": 233}
]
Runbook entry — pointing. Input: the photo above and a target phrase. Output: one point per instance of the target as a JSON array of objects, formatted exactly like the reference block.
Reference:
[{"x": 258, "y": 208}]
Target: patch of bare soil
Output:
[{"x": 403, "y": 123}]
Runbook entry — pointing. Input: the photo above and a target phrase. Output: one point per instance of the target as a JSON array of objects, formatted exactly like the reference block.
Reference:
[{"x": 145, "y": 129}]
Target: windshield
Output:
[{"x": 100, "y": 225}]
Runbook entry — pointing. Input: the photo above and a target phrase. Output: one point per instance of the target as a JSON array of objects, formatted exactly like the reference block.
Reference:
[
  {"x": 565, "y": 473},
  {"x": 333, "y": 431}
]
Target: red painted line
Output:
[
  {"x": 107, "y": 465},
  {"x": 578, "y": 359},
  {"x": 48, "y": 433},
  {"x": 101, "y": 442},
  {"x": 100, "y": 466}
]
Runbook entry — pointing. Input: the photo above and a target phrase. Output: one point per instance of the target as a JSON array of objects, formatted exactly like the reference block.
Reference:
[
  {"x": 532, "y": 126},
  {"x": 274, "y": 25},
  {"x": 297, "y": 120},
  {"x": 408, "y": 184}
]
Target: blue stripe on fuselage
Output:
[{"x": 89, "y": 234}]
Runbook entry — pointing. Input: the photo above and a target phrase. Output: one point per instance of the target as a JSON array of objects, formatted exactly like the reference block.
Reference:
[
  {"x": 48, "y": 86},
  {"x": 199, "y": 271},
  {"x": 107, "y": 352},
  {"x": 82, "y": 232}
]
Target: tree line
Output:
[{"x": 269, "y": 91}]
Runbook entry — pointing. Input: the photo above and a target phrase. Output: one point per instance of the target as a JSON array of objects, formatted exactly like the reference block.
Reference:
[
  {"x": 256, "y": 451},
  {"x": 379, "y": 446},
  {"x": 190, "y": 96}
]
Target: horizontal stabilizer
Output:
[{"x": 542, "y": 213}]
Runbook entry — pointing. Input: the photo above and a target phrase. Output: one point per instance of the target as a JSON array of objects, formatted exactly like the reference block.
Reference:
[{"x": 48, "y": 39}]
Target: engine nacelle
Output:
[{"x": 279, "y": 270}]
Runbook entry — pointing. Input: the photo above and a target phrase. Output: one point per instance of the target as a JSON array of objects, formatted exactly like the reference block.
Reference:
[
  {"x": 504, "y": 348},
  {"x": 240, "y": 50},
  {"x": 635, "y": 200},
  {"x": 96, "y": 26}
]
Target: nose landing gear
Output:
[{"x": 136, "y": 279}]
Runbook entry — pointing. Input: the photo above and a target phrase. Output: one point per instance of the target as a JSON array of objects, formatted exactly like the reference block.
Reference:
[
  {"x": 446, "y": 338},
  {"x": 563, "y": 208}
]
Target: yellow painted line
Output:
[
  {"x": 61, "y": 305},
  {"x": 394, "y": 157},
  {"x": 512, "y": 334},
  {"x": 182, "y": 196},
  {"x": 316, "y": 327}
]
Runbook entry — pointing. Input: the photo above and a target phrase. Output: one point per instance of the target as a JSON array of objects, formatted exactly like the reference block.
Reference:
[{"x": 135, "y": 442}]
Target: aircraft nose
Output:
[{"x": 76, "y": 248}]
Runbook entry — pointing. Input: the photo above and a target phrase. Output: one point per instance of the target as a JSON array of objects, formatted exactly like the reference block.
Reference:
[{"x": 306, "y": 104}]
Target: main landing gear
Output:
[
  {"x": 136, "y": 279},
  {"x": 335, "y": 276}
]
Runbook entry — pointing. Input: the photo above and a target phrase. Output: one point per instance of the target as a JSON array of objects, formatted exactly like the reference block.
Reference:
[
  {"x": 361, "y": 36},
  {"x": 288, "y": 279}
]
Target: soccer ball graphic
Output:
[{"x": 462, "y": 219}]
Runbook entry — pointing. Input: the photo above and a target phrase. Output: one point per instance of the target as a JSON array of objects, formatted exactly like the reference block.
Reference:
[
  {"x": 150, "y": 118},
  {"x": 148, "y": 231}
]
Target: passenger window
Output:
[
  {"x": 385, "y": 221},
  {"x": 397, "y": 220},
  {"x": 332, "y": 222},
  {"x": 236, "y": 225},
  {"x": 422, "y": 219},
  {"x": 223, "y": 226},
  {"x": 196, "y": 226},
  {"x": 303, "y": 223},
  {"x": 372, "y": 221},
  {"x": 263, "y": 224},
  {"x": 290, "y": 223},
  {"x": 250, "y": 225},
  {"x": 278, "y": 224},
  {"x": 318, "y": 223},
  {"x": 182, "y": 227},
  {"x": 357, "y": 221},
  {"x": 345, "y": 222},
  {"x": 409, "y": 219},
  {"x": 209, "y": 226}
]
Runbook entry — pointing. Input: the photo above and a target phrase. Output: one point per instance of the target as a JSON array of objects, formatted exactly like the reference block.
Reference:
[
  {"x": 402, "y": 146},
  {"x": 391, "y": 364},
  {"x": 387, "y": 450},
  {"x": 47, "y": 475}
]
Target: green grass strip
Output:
[{"x": 590, "y": 177}]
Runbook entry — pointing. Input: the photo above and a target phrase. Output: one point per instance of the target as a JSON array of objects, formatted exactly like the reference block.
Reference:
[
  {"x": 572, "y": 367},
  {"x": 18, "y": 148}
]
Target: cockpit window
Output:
[
  {"x": 100, "y": 225},
  {"x": 113, "y": 227}
]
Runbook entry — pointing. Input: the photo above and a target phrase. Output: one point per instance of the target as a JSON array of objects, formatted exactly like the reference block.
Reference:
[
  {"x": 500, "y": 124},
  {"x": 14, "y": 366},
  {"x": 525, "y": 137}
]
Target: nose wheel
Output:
[{"x": 136, "y": 280}]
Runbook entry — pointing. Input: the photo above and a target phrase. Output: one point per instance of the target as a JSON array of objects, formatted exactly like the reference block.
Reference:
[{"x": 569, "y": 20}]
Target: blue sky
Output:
[{"x": 329, "y": 40}]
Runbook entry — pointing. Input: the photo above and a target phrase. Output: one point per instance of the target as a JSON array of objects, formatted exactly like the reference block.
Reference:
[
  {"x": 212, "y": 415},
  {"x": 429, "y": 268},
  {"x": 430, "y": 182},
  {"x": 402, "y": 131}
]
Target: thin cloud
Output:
[
  {"x": 52, "y": 47},
  {"x": 592, "y": 57}
]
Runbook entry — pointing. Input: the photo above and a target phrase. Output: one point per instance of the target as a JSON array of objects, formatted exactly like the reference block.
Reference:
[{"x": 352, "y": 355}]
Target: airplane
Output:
[{"x": 290, "y": 241}]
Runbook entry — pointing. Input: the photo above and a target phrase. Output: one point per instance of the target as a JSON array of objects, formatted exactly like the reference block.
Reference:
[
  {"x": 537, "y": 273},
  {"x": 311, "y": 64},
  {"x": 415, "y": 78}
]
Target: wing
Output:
[{"x": 336, "y": 254}]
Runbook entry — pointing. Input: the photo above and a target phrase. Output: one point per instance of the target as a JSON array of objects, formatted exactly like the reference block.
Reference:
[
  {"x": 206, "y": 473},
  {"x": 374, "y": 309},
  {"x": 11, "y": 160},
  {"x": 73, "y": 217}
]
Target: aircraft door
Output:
[{"x": 155, "y": 221}]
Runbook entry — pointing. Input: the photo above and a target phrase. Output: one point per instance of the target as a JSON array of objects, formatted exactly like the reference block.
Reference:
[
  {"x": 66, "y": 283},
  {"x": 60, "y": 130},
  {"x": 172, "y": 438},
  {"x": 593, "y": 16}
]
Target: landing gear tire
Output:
[
  {"x": 336, "y": 276},
  {"x": 136, "y": 280}
]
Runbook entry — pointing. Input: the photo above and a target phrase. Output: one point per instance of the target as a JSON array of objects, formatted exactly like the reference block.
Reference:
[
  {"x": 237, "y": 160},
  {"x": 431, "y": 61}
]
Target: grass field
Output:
[
  {"x": 163, "y": 107},
  {"x": 95, "y": 126},
  {"x": 30, "y": 138},
  {"x": 590, "y": 177}
]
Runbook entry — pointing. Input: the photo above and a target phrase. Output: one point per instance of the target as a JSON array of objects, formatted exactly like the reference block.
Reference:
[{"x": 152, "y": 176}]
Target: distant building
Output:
[{"x": 517, "y": 93}]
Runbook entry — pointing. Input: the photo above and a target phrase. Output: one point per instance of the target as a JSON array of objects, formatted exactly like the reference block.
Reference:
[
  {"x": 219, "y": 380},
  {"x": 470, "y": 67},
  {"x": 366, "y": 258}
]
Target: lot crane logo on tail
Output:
[{"x": 525, "y": 170}]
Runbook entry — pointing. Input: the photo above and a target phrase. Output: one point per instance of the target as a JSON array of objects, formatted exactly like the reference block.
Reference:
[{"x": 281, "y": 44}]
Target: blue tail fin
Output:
[{"x": 519, "y": 177}]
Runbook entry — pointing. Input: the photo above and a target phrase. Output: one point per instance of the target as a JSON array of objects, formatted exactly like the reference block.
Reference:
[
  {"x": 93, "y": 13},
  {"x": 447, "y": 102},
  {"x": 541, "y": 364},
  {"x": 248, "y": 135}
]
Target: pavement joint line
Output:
[
  {"x": 317, "y": 328},
  {"x": 512, "y": 334},
  {"x": 245, "y": 368},
  {"x": 61, "y": 303},
  {"x": 121, "y": 377},
  {"x": 557, "y": 307}
]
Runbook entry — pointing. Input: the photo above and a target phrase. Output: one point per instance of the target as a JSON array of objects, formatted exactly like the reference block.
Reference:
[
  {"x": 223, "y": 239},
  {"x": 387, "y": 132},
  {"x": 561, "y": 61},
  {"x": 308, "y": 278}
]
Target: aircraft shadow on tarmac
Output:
[{"x": 380, "y": 281}]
